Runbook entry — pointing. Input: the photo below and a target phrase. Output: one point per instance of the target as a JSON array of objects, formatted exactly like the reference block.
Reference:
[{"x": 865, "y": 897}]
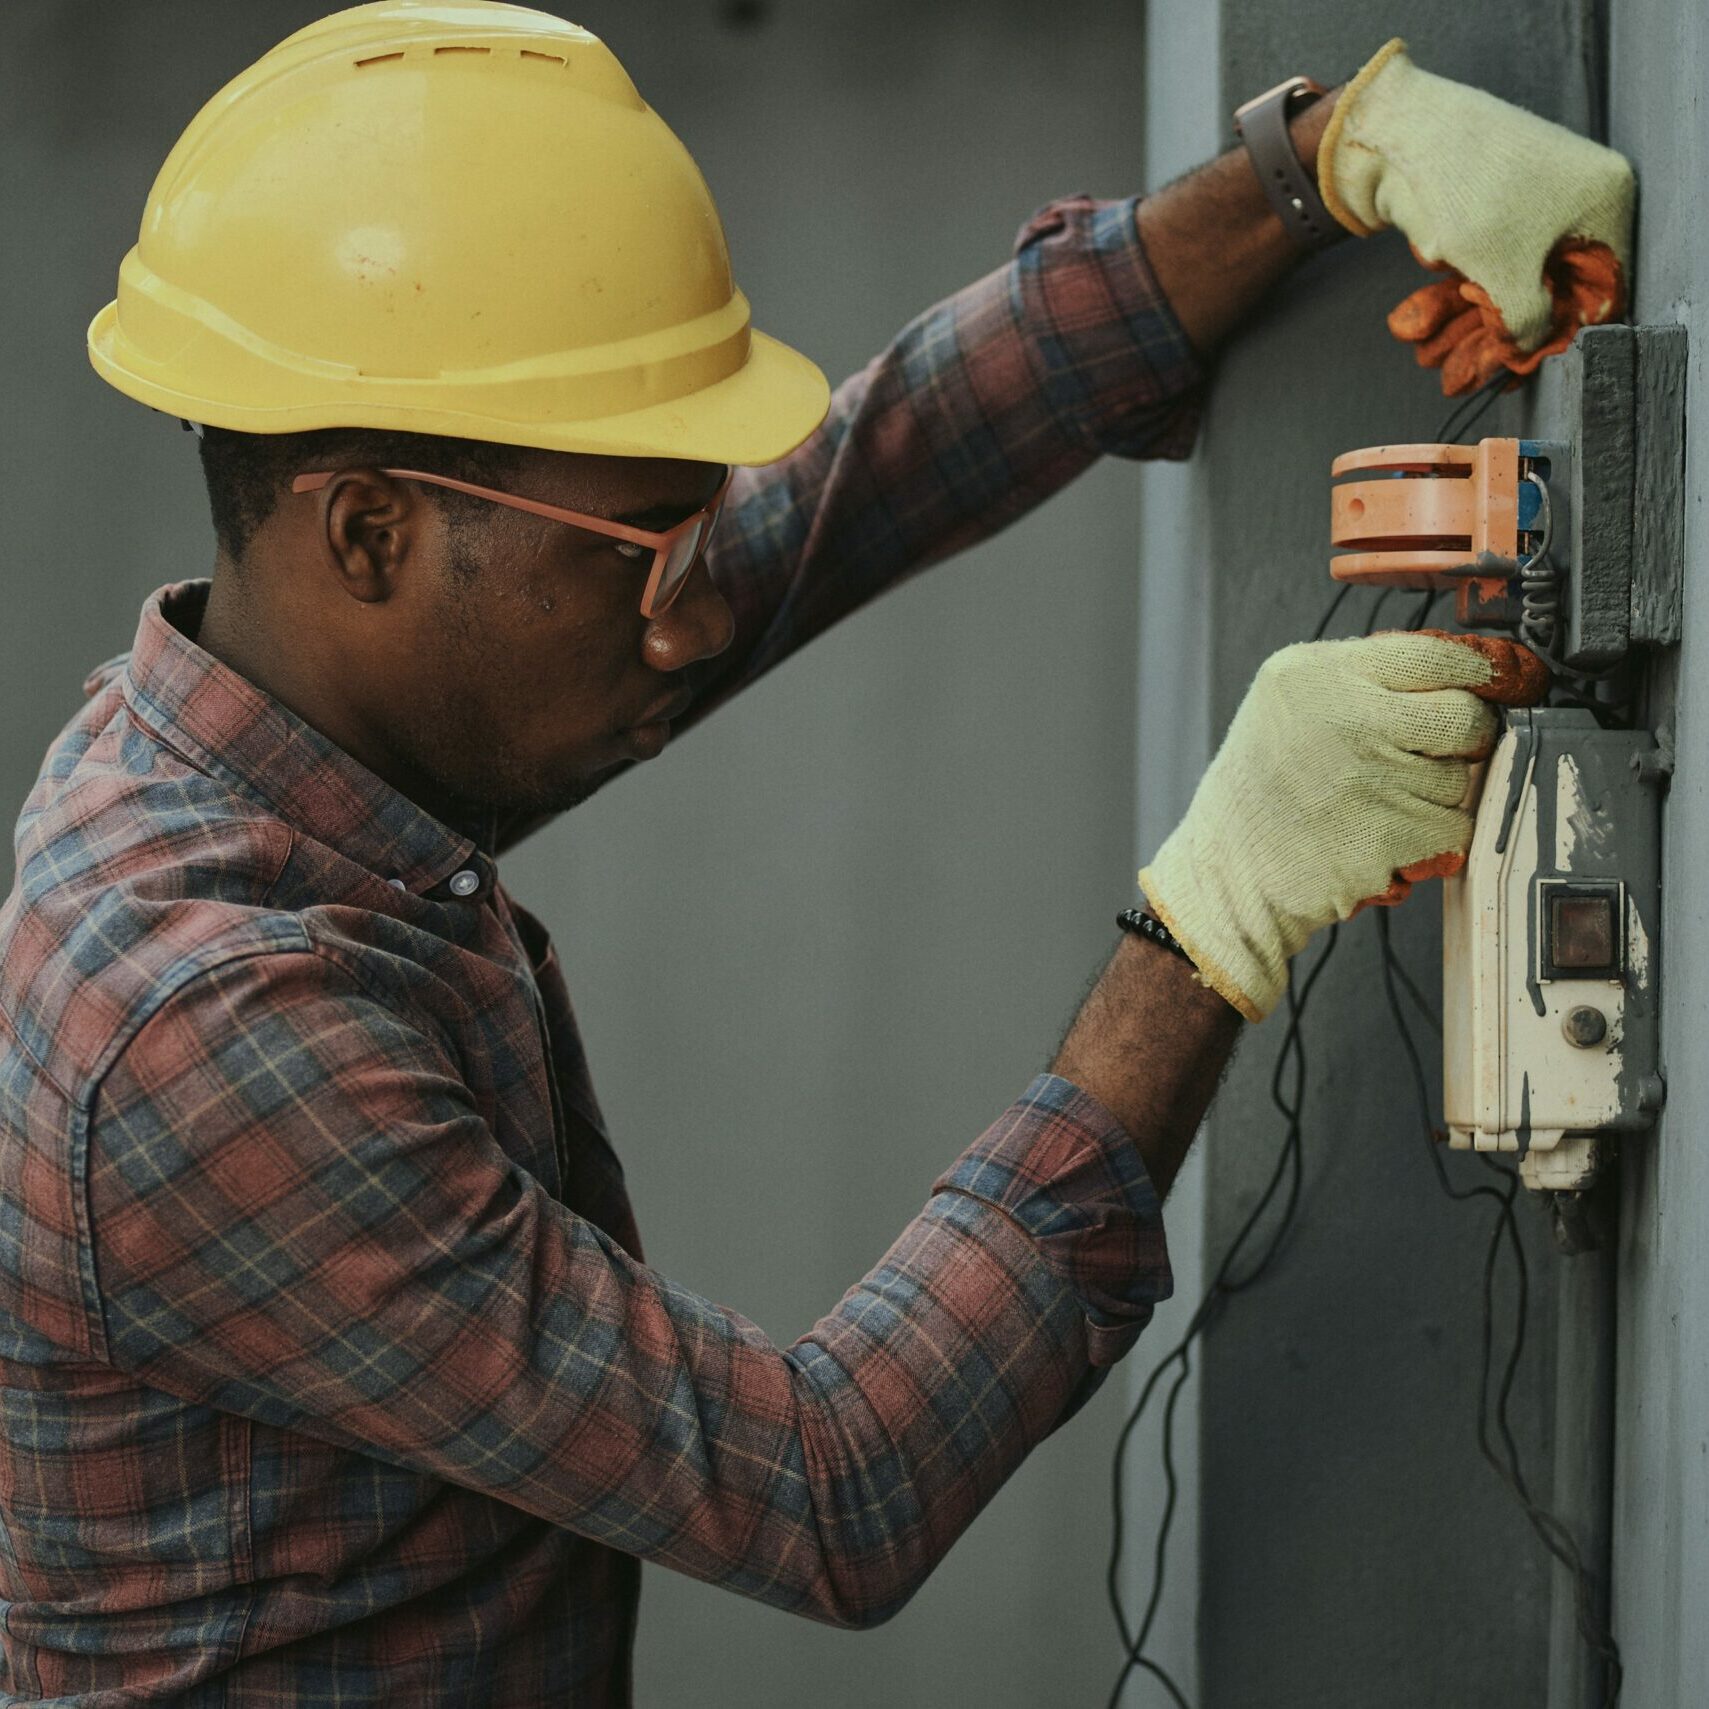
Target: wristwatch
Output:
[{"x": 1262, "y": 124}]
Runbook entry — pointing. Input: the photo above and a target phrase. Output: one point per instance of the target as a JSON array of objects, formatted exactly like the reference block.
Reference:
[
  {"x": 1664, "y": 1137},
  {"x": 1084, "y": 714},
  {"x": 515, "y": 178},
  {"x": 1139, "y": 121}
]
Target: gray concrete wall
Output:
[
  {"x": 1353, "y": 1547},
  {"x": 1659, "y": 68},
  {"x": 880, "y": 884}
]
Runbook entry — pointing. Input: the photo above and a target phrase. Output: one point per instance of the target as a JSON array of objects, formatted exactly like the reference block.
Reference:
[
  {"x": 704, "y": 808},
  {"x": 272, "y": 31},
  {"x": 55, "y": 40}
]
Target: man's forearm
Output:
[
  {"x": 1214, "y": 241},
  {"x": 1149, "y": 1044}
]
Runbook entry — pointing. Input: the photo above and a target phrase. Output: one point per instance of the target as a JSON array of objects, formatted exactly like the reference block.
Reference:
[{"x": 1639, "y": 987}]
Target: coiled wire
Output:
[{"x": 1540, "y": 584}]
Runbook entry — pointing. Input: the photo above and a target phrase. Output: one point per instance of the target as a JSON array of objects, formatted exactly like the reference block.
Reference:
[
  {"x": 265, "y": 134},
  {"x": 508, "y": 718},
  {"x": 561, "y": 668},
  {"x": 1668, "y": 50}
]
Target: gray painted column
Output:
[
  {"x": 1183, "y": 126},
  {"x": 1659, "y": 71},
  {"x": 1354, "y": 1547}
]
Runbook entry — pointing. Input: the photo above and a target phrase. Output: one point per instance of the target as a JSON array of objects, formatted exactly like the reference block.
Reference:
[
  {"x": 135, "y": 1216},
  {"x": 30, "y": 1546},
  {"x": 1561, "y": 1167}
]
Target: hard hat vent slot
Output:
[{"x": 524, "y": 53}]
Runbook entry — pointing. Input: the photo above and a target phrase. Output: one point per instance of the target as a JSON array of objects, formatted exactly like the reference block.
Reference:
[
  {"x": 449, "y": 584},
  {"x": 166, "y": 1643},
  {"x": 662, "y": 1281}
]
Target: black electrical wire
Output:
[
  {"x": 1419, "y": 1001},
  {"x": 1334, "y": 606},
  {"x": 1472, "y": 407},
  {"x": 1287, "y": 1165},
  {"x": 1288, "y": 1162},
  {"x": 1551, "y": 1531},
  {"x": 1553, "y": 1534},
  {"x": 1376, "y": 610}
]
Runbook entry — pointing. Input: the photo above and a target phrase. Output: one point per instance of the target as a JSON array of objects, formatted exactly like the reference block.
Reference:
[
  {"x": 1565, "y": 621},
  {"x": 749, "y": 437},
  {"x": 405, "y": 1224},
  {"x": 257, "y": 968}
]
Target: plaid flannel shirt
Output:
[{"x": 331, "y": 1371}]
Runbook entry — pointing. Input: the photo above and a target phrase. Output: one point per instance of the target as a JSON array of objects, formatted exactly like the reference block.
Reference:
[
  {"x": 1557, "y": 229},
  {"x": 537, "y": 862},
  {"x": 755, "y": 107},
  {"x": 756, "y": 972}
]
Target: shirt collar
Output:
[{"x": 231, "y": 729}]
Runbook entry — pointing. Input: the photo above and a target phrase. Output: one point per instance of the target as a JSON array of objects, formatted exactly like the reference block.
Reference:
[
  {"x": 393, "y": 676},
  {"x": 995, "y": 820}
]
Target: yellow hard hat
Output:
[{"x": 455, "y": 218}]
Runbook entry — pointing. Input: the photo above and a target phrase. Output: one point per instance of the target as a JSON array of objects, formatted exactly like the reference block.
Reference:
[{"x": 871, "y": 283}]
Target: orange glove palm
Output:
[
  {"x": 1452, "y": 324},
  {"x": 1517, "y": 678},
  {"x": 1530, "y": 223}
]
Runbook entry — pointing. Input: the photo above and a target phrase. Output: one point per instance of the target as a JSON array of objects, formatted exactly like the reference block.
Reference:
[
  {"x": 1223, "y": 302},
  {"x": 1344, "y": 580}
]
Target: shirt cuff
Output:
[
  {"x": 1082, "y": 273},
  {"x": 1060, "y": 1166}
]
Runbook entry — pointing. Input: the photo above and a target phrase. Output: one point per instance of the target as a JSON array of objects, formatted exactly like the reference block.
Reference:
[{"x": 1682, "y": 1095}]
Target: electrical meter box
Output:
[
  {"x": 1550, "y": 949},
  {"x": 1573, "y": 544}
]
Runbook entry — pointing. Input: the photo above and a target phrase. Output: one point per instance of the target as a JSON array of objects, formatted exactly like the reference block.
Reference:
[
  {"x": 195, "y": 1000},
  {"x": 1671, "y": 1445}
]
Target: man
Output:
[{"x": 333, "y": 1369}]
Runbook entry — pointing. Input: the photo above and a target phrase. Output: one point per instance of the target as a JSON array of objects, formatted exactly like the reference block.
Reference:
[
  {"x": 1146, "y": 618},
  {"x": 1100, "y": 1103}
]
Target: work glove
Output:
[
  {"x": 1529, "y": 223},
  {"x": 1343, "y": 778}
]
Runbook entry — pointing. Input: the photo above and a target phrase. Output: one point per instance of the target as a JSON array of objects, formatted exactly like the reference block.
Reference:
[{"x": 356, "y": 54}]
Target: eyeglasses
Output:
[{"x": 675, "y": 552}]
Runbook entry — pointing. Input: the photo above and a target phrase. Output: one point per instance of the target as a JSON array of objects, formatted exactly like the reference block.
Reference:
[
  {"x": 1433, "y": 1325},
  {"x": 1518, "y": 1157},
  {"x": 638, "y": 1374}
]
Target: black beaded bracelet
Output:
[{"x": 1149, "y": 926}]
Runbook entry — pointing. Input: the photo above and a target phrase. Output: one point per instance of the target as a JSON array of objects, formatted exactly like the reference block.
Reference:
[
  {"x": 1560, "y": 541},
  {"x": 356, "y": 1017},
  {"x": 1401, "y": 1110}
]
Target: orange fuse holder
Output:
[{"x": 1422, "y": 516}]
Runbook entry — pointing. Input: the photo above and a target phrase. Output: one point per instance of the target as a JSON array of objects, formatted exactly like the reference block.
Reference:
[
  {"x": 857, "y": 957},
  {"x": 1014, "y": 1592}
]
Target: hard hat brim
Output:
[{"x": 756, "y": 415}]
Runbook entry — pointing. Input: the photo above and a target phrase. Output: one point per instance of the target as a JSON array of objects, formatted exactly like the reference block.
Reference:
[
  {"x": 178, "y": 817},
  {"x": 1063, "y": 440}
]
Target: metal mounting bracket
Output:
[{"x": 1617, "y": 397}]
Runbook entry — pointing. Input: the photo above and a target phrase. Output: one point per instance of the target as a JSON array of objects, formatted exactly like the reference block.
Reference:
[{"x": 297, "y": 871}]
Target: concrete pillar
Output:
[{"x": 1353, "y": 1547}]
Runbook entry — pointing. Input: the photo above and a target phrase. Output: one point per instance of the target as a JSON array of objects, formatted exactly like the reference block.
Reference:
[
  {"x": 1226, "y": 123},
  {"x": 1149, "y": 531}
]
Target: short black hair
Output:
[{"x": 248, "y": 473}]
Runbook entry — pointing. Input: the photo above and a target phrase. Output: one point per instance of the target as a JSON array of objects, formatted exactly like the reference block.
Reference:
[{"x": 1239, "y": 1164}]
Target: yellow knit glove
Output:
[
  {"x": 1480, "y": 186},
  {"x": 1345, "y": 766}
]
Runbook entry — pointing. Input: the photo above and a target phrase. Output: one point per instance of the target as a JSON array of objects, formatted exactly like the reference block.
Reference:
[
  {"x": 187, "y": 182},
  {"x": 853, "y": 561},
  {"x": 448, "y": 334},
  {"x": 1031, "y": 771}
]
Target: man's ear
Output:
[{"x": 369, "y": 526}]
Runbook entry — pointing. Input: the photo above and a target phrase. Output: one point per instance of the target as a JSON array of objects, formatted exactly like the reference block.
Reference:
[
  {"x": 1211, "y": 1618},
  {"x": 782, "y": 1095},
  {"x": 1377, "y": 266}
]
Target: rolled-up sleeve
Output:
[
  {"x": 295, "y": 1213},
  {"x": 977, "y": 411},
  {"x": 974, "y": 414}
]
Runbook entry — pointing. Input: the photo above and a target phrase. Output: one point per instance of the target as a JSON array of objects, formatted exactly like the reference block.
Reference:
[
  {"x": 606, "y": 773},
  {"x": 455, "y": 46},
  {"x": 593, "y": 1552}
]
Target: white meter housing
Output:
[{"x": 1550, "y": 936}]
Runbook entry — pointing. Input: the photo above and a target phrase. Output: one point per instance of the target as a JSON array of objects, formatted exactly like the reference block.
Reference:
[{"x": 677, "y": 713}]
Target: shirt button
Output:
[
  {"x": 465, "y": 883},
  {"x": 397, "y": 884}
]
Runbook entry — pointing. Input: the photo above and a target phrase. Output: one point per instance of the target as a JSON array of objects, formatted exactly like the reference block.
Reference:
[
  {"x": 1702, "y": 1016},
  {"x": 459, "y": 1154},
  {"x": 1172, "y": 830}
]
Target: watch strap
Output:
[{"x": 1262, "y": 125}]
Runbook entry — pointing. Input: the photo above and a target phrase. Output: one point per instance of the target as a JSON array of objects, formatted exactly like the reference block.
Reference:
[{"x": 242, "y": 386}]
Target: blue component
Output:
[{"x": 1549, "y": 460}]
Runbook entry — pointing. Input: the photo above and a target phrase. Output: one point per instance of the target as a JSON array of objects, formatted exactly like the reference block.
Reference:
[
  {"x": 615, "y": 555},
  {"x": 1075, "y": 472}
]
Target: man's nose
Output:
[{"x": 697, "y": 625}]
